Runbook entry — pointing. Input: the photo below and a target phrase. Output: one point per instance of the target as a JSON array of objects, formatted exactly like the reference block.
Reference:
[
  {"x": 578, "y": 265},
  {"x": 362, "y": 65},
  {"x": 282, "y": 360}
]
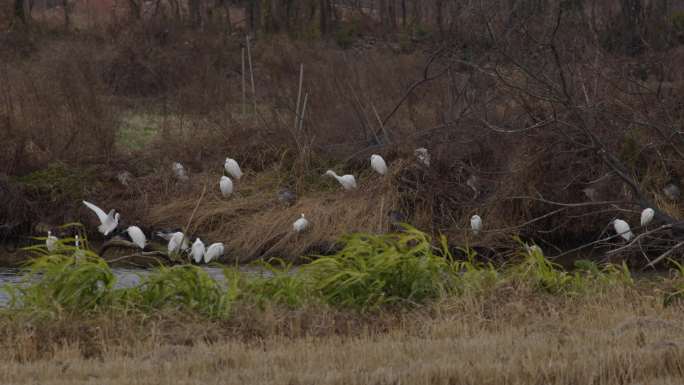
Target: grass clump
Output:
[
  {"x": 375, "y": 270},
  {"x": 278, "y": 283},
  {"x": 63, "y": 283},
  {"x": 474, "y": 276},
  {"x": 185, "y": 287},
  {"x": 676, "y": 293},
  {"x": 542, "y": 274}
]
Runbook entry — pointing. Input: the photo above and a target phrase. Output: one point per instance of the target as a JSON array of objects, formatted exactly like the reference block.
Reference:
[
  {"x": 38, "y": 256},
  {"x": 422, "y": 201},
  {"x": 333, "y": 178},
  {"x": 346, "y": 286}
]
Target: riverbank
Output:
[
  {"x": 511, "y": 336},
  {"x": 383, "y": 308}
]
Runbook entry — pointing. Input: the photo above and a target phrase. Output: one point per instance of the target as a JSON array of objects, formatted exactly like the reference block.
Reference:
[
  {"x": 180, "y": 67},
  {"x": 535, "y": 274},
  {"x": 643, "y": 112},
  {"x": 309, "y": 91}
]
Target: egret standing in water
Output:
[
  {"x": 423, "y": 156},
  {"x": 378, "y": 164},
  {"x": 622, "y": 228},
  {"x": 226, "y": 186},
  {"x": 301, "y": 224},
  {"x": 214, "y": 251},
  {"x": 476, "y": 224},
  {"x": 233, "y": 168},
  {"x": 348, "y": 181},
  {"x": 137, "y": 236},
  {"x": 647, "y": 216},
  {"x": 108, "y": 222},
  {"x": 51, "y": 242},
  {"x": 198, "y": 250}
]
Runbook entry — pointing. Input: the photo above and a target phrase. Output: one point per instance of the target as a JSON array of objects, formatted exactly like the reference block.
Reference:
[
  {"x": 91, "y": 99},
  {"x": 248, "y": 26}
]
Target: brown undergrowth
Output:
[{"x": 510, "y": 336}]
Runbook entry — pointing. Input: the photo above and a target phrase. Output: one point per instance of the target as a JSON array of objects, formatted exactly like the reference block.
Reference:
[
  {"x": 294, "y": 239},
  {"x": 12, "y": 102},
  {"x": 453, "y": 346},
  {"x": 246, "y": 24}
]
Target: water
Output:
[{"x": 125, "y": 277}]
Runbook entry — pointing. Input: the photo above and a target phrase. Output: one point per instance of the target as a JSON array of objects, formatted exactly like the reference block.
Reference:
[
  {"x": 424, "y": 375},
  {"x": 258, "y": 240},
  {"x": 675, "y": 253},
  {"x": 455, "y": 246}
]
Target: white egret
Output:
[
  {"x": 473, "y": 182},
  {"x": 226, "y": 186},
  {"x": 622, "y": 228},
  {"x": 347, "y": 181},
  {"x": 79, "y": 253},
  {"x": 423, "y": 156},
  {"x": 51, "y": 242},
  {"x": 301, "y": 224},
  {"x": 137, "y": 236},
  {"x": 591, "y": 193},
  {"x": 378, "y": 164},
  {"x": 214, "y": 251},
  {"x": 233, "y": 168},
  {"x": 198, "y": 250},
  {"x": 672, "y": 191},
  {"x": 179, "y": 171},
  {"x": 287, "y": 197},
  {"x": 177, "y": 242},
  {"x": 647, "y": 216},
  {"x": 124, "y": 177},
  {"x": 168, "y": 234},
  {"x": 476, "y": 224},
  {"x": 108, "y": 222}
]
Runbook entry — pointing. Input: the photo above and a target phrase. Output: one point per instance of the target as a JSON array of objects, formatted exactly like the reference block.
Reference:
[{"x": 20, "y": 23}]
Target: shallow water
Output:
[{"x": 125, "y": 277}]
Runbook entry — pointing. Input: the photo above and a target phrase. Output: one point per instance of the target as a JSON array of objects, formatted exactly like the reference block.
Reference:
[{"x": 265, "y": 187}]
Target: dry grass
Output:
[
  {"x": 510, "y": 337},
  {"x": 253, "y": 223}
]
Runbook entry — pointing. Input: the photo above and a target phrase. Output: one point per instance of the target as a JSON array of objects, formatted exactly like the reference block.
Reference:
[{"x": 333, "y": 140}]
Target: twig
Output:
[
  {"x": 150, "y": 255},
  {"x": 251, "y": 74},
  {"x": 299, "y": 96},
  {"x": 537, "y": 219},
  {"x": 638, "y": 237},
  {"x": 664, "y": 255},
  {"x": 301, "y": 119},
  {"x": 583, "y": 204},
  {"x": 426, "y": 78},
  {"x": 244, "y": 88},
  {"x": 192, "y": 216},
  {"x": 382, "y": 125}
]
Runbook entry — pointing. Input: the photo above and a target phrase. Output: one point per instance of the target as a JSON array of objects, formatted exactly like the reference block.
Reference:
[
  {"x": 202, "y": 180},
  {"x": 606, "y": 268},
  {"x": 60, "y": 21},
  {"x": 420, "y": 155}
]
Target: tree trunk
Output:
[
  {"x": 67, "y": 18},
  {"x": 631, "y": 34},
  {"x": 134, "y": 9},
  {"x": 254, "y": 15},
  {"x": 324, "y": 17},
  {"x": 20, "y": 11},
  {"x": 439, "y": 18},
  {"x": 403, "y": 13},
  {"x": 195, "y": 14}
]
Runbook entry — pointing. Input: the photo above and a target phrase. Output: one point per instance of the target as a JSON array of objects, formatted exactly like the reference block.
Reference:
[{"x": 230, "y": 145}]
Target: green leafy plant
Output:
[
  {"x": 65, "y": 283},
  {"x": 543, "y": 274},
  {"x": 185, "y": 287},
  {"x": 279, "y": 283},
  {"x": 375, "y": 270}
]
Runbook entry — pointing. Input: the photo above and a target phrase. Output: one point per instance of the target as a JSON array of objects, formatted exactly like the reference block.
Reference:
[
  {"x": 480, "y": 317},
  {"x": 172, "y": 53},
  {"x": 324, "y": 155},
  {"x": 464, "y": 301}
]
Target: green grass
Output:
[
  {"x": 370, "y": 272},
  {"x": 137, "y": 130},
  {"x": 60, "y": 182},
  {"x": 375, "y": 270}
]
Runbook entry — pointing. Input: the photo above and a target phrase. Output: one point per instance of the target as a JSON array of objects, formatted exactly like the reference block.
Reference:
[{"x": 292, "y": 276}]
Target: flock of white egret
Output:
[
  {"x": 622, "y": 228},
  {"x": 179, "y": 243}
]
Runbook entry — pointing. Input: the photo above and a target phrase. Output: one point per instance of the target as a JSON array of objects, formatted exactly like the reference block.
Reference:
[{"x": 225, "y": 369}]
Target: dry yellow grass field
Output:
[{"x": 508, "y": 337}]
